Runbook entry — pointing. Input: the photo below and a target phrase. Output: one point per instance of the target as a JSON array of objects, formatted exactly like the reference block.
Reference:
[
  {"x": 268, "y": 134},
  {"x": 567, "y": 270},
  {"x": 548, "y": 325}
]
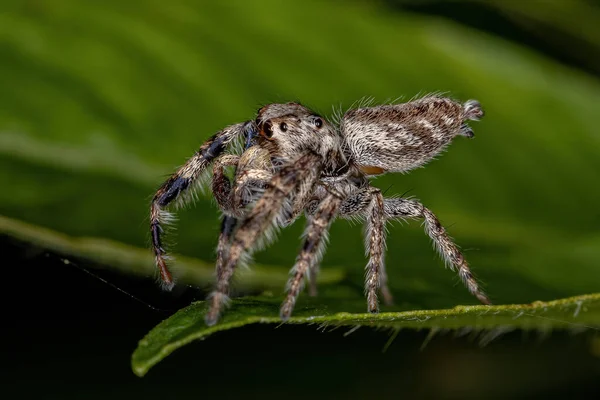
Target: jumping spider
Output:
[{"x": 293, "y": 161}]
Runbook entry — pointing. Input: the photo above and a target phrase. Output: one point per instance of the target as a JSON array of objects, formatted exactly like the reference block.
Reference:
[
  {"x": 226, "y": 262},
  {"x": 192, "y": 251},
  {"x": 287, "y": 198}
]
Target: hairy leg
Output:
[
  {"x": 259, "y": 219},
  {"x": 221, "y": 188},
  {"x": 252, "y": 176},
  {"x": 250, "y": 184},
  {"x": 304, "y": 194},
  {"x": 227, "y": 227},
  {"x": 355, "y": 206},
  {"x": 180, "y": 183},
  {"x": 368, "y": 204},
  {"x": 249, "y": 181},
  {"x": 221, "y": 185},
  {"x": 375, "y": 243},
  {"x": 313, "y": 272},
  {"x": 404, "y": 208},
  {"x": 316, "y": 237}
]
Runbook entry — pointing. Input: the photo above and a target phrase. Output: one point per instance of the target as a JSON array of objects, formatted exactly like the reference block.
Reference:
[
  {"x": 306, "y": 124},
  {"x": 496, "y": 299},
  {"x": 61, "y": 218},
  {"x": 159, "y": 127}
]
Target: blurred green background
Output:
[{"x": 102, "y": 100}]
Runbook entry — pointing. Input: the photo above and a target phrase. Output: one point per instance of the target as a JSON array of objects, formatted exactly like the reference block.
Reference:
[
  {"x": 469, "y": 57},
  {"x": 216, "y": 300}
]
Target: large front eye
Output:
[{"x": 267, "y": 129}]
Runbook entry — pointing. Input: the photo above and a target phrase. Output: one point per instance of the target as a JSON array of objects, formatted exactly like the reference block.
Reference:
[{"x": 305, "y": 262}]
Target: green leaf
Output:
[
  {"x": 186, "y": 325},
  {"x": 101, "y": 101}
]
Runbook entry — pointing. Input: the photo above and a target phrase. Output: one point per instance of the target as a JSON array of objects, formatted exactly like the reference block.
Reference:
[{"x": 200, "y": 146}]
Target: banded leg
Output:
[
  {"x": 227, "y": 227},
  {"x": 404, "y": 208},
  {"x": 180, "y": 184},
  {"x": 314, "y": 269},
  {"x": 302, "y": 197},
  {"x": 221, "y": 188},
  {"x": 375, "y": 243},
  {"x": 225, "y": 196},
  {"x": 259, "y": 219},
  {"x": 316, "y": 238},
  {"x": 367, "y": 203},
  {"x": 354, "y": 206}
]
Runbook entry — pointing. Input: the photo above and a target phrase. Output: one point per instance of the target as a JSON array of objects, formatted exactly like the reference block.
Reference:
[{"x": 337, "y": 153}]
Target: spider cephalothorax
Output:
[{"x": 293, "y": 162}]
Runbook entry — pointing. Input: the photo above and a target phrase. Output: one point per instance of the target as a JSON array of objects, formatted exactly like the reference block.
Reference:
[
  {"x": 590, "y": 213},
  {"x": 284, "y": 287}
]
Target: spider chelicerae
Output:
[{"x": 290, "y": 161}]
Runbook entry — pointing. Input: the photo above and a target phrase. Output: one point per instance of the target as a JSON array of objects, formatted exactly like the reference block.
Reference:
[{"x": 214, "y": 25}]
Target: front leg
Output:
[
  {"x": 225, "y": 195},
  {"x": 221, "y": 185},
  {"x": 228, "y": 226},
  {"x": 260, "y": 218},
  {"x": 253, "y": 174},
  {"x": 180, "y": 187}
]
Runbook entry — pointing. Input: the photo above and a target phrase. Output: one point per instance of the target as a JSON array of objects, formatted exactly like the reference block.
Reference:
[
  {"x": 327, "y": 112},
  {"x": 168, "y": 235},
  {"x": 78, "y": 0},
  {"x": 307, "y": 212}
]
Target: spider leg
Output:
[
  {"x": 405, "y": 208},
  {"x": 180, "y": 184},
  {"x": 228, "y": 225},
  {"x": 313, "y": 272},
  {"x": 249, "y": 186},
  {"x": 221, "y": 185},
  {"x": 369, "y": 203},
  {"x": 375, "y": 277},
  {"x": 312, "y": 250},
  {"x": 260, "y": 218},
  {"x": 252, "y": 176},
  {"x": 221, "y": 188},
  {"x": 302, "y": 197},
  {"x": 225, "y": 196}
]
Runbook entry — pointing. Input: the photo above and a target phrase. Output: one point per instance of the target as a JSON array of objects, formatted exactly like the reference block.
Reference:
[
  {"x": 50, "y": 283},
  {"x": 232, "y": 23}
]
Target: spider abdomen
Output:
[{"x": 401, "y": 137}]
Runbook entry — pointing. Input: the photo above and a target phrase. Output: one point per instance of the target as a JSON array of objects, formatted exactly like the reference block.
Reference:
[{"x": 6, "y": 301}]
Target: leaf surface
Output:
[{"x": 576, "y": 313}]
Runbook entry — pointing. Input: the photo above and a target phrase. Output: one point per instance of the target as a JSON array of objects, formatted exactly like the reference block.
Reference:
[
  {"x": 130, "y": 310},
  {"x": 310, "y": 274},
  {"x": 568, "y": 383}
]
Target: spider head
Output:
[{"x": 289, "y": 130}]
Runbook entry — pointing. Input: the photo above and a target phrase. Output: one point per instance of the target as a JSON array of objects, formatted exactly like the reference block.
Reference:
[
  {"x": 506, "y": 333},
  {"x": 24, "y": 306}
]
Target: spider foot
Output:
[
  {"x": 217, "y": 301},
  {"x": 286, "y": 310},
  {"x": 372, "y": 303}
]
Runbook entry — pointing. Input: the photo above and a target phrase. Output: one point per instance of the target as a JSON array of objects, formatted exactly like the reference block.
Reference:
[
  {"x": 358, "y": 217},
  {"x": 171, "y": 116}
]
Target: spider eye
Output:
[
  {"x": 283, "y": 126},
  {"x": 318, "y": 122},
  {"x": 267, "y": 129}
]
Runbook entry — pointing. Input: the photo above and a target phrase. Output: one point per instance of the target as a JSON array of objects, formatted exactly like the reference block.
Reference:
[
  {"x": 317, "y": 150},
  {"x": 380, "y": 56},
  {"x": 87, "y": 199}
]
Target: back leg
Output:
[
  {"x": 180, "y": 184},
  {"x": 404, "y": 208},
  {"x": 376, "y": 277},
  {"x": 368, "y": 203}
]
